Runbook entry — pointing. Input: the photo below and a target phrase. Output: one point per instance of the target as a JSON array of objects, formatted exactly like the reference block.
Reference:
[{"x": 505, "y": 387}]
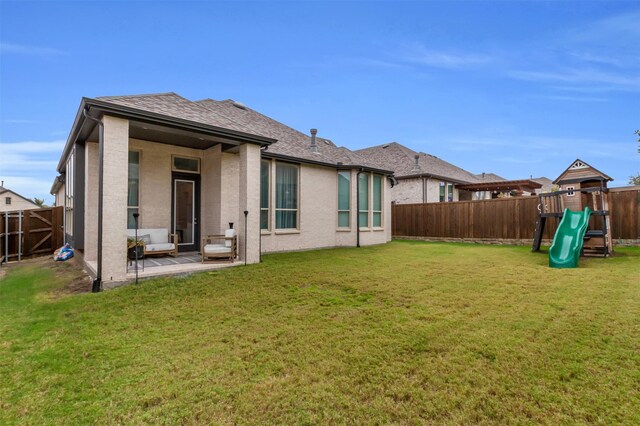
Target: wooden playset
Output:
[{"x": 581, "y": 186}]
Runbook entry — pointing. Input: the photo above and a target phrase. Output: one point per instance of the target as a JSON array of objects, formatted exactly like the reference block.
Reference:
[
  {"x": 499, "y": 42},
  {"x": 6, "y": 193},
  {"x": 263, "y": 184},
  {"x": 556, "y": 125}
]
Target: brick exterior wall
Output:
[{"x": 114, "y": 208}]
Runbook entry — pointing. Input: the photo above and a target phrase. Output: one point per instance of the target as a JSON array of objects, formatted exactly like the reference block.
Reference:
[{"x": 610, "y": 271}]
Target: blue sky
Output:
[{"x": 514, "y": 88}]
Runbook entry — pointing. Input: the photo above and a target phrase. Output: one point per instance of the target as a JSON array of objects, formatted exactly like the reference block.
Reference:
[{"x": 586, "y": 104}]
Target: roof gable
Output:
[
  {"x": 397, "y": 157},
  {"x": 6, "y": 191},
  {"x": 581, "y": 170}
]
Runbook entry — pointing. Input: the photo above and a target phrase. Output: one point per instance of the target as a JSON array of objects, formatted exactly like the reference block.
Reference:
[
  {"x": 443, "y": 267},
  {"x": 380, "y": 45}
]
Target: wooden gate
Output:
[{"x": 30, "y": 233}]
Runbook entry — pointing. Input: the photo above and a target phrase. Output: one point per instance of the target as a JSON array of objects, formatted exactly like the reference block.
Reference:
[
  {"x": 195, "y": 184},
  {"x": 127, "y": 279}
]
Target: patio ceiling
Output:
[{"x": 172, "y": 136}]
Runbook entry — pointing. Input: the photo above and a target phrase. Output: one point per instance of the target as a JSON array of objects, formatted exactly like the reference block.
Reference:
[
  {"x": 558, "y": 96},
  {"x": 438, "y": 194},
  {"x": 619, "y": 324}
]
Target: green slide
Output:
[{"x": 567, "y": 243}]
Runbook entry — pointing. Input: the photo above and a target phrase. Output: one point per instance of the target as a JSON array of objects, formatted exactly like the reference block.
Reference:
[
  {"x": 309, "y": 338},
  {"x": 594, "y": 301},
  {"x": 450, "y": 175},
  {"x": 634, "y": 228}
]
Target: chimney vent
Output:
[
  {"x": 314, "y": 146},
  {"x": 416, "y": 166}
]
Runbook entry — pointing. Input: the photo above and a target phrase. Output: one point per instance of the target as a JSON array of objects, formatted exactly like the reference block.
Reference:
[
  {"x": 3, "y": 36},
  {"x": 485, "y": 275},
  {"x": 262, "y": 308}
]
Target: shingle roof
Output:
[
  {"x": 547, "y": 184},
  {"x": 232, "y": 115},
  {"x": 489, "y": 177},
  {"x": 290, "y": 142},
  {"x": 400, "y": 159}
]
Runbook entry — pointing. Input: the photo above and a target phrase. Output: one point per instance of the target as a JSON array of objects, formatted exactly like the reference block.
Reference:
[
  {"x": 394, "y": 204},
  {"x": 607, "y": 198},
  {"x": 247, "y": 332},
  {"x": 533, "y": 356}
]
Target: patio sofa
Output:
[
  {"x": 156, "y": 241},
  {"x": 220, "y": 246}
]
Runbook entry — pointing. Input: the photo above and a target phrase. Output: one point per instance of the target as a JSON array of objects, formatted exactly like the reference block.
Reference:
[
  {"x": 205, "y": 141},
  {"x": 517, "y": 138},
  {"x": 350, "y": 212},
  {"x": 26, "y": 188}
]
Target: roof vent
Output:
[
  {"x": 239, "y": 105},
  {"x": 314, "y": 146},
  {"x": 386, "y": 145},
  {"x": 416, "y": 166}
]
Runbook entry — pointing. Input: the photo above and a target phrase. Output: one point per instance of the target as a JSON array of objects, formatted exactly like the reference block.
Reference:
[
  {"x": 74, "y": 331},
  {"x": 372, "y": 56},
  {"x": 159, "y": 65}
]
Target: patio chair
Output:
[{"x": 220, "y": 246}]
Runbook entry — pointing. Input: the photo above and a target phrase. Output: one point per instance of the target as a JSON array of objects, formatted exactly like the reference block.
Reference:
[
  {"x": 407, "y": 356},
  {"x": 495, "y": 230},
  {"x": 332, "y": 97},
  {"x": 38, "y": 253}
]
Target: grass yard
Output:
[{"x": 405, "y": 333}]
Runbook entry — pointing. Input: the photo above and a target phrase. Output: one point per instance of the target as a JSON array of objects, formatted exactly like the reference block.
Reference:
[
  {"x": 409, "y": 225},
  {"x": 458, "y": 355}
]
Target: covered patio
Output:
[{"x": 132, "y": 167}]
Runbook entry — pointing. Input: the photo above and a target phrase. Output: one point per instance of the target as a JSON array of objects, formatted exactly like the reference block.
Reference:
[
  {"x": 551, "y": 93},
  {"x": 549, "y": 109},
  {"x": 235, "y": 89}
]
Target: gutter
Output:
[
  {"x": 292, "y": 159},
  {"x": 97, "y": 283}
]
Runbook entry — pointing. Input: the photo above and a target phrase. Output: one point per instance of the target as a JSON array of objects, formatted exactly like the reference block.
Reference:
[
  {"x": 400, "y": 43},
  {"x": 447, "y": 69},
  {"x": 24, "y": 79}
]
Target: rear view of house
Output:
[{"x": 195, "y": 168}]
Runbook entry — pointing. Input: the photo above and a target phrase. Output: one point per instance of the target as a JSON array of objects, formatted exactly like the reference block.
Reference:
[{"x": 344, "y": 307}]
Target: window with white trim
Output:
[
  {"x": 185, "y": 164},
  {"x": 571, "y": 190},
  {"x": 344, "y": 199},
  {"x": 68, "y": 202},
  {"x": 376, "y": 204},
  {"x": 265, "y": 171},
  {"x": 449, "y": 192},
  {"x": 363, "y": 202},
  {"x": 286, "y": 196},
  {"x": 133, "y": 190}
]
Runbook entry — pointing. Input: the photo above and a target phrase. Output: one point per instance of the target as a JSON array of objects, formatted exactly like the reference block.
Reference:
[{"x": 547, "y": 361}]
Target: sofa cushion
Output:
[
  {"x": 216, "y": 249},
  {"x": 146, "y": 238},
  {"x": 157, "y": 235},
  {"x": 159, "y": 247}
]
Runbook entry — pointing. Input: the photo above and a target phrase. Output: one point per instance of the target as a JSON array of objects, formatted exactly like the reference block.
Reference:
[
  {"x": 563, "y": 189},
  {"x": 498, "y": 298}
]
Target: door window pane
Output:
[{"x": 184, "y": 209}]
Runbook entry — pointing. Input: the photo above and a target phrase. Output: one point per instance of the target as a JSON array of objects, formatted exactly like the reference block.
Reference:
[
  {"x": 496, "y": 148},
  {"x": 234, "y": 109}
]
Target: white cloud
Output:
[
  {"x": 29, "y": 167},
  {"x": 418, "y": 54},
  {"x": 30, "y": 187},
  {"x": 22, "y": 49},
  {"x": 614, "y": 81}
]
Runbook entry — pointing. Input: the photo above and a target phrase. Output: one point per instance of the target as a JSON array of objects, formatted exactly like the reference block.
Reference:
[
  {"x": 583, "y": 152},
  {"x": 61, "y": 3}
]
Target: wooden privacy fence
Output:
[
  {"x": 504, "y": 218},
  {"x": 29, "y": 233}
]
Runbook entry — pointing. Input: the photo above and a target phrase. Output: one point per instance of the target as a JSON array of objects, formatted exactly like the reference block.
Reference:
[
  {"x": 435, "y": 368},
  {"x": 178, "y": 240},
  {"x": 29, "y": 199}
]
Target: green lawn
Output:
[{"x": 405, "y": 333}]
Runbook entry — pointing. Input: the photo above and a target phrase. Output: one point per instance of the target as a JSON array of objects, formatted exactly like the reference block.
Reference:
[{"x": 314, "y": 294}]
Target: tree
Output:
[
  {"x": 39, "y": 201},
  {"x": 635, "y": 180}
]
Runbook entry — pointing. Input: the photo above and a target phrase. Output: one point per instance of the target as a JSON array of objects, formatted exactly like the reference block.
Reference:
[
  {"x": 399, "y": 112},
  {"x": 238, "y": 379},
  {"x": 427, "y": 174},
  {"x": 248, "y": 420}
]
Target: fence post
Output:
[
  {"x": 19, "y": 235},
  {"x": 6, "y": 236}
]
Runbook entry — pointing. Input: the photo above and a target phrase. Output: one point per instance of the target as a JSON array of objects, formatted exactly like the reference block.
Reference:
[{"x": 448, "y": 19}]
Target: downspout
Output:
[
  {"x": 426, "y": 189},
  {"x": 358, "y": 207},
  {"x": 97, "y": 283}
]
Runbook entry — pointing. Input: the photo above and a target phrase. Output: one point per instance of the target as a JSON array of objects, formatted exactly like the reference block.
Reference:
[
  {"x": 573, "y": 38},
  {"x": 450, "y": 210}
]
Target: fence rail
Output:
[
  {"x": 504, "y": 219},
  {"x": 29, "y": 233}
]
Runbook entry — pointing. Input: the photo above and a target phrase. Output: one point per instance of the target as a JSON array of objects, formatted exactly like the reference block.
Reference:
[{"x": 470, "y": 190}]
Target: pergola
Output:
[{"x": 521, "y": 185}]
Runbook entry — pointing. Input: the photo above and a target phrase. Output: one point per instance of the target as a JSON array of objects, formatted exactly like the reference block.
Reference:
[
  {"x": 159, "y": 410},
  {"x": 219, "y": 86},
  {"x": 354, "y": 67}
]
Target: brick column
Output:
[
  {"x": 114, "y": 195},
  {"x": 249, "y": 191},
  {"x": 91, "y": 202}
]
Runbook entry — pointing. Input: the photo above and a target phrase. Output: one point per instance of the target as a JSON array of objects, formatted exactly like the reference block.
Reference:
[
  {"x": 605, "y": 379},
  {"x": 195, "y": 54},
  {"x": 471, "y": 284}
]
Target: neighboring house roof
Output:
[
  {"x": 489, "y": 177},
  {"x": 229, "y": 114},
  {"x": 401, "y": 160},
  {"x": 547, "y": 184},
  {"x": 4, "y": 192}
]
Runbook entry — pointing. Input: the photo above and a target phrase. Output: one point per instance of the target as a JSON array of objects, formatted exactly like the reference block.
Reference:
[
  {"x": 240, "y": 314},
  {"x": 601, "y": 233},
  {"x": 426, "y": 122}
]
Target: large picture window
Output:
[
  {"x": 286, "y": 196},
  {"x": 264, "y": 194},
  {"x": 363, "y": 204},
  {"x": 68, "y": 204},
  {"x": 344, "y": 199},
  {"x": 133, "y": 193},
  {"x": 377, "y": 201}
]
